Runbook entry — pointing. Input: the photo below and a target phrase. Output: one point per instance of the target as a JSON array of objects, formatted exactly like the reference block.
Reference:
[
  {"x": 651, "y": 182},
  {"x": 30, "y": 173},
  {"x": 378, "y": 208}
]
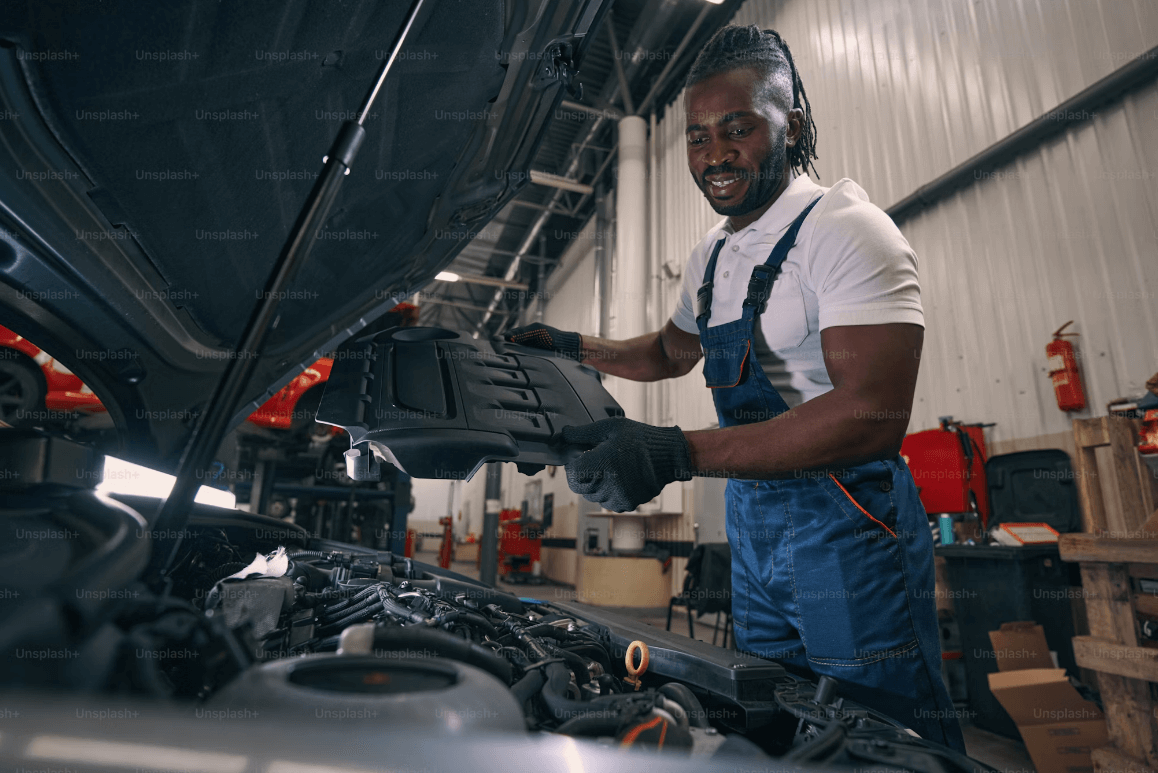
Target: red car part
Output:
[
  {"x": 446, "y": 549},
  {"x": 66, "y": 393},
  {"x": 950, "y": 480},
  {"x": 520, "y": 543},
  {"x": 278, "y": 412},
  {"x": 1148, "y": 437},
  {"x": 62, "y": 389}
]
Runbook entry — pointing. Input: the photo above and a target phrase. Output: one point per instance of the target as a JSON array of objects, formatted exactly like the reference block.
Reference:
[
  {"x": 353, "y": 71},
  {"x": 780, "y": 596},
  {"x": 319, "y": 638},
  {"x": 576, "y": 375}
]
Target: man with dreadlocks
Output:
[{"x": 805, "y": 307}]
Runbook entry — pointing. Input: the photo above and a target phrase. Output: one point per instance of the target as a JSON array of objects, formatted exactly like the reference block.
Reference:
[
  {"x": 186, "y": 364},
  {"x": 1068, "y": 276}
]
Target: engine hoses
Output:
[
  {"x": 414, "y": 637},
  {"x": 680, "y": 694},
  {"x": 577, "y": 664},
  {"x": 360, "y": 612},
  {"x": 474, "y": 618},
  {"x": 528, "y": 685},
  {"x": 827, "y": 742},
  {"x": 563, "y": 708},
  {"x": 308, "y": 554},
  {"x": 590, "y": 724}
]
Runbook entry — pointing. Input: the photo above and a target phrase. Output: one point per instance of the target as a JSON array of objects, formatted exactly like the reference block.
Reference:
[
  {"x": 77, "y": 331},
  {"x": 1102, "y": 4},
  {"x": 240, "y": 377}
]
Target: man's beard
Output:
[{"x": 767, "y": 180}]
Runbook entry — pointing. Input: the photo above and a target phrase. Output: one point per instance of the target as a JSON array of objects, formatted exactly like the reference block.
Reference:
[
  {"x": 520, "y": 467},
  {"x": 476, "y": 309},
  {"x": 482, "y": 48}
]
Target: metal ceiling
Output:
[{"x": 654, "y": 45}]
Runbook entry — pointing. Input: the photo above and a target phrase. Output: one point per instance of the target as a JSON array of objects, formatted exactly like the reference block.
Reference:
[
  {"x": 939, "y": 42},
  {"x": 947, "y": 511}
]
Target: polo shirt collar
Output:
[{"x": 780, "y": 215}]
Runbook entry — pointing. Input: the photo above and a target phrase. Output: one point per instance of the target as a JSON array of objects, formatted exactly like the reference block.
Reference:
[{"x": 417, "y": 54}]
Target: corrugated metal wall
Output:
[
  {"x": 570, "y": 302},
  {"x": 902, "y": 92}
]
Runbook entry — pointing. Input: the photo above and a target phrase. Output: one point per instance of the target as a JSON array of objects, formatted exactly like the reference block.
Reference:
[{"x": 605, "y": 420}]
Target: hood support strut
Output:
[{"x": 213, "y": 422}]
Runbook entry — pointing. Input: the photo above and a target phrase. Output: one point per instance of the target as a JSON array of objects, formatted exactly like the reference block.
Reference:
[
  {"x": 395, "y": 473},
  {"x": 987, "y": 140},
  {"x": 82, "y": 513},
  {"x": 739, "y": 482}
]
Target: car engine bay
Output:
[{"x": 256, "y": 616}]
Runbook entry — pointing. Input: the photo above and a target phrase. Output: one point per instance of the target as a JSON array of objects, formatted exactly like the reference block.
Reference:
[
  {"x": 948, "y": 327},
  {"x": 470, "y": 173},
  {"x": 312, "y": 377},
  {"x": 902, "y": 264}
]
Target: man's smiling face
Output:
[{"x": 737, "y": 143}]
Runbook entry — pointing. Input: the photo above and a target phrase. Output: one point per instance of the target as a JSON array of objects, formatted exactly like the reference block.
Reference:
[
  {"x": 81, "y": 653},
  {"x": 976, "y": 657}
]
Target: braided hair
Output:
[{"x": 733, "y": 47}]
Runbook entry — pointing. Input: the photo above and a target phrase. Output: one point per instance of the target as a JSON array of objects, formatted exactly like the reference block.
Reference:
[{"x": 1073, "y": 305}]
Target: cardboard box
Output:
[
  {"x": 1058, "y": 726},
  {"x": 1020, "y": 645}
]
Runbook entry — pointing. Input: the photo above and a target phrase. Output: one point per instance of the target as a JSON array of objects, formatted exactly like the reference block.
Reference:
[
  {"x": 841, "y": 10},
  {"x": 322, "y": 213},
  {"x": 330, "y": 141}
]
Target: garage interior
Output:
[{"x": 1015, "y": 145}]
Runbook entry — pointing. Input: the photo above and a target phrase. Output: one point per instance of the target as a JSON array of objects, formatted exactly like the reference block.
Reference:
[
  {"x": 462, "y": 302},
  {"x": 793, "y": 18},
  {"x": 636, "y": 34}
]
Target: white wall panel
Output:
[
  {"x": 569, "y": 303},
  {"x": 904, "y": 91},
  {"x": 1068, "y": 232},
  {"x": 431, "y": 502}
]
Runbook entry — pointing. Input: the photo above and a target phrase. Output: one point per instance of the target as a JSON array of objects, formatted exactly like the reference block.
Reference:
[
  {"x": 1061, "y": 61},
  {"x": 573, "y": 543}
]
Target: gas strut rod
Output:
[{"x": 214, "y": 422}]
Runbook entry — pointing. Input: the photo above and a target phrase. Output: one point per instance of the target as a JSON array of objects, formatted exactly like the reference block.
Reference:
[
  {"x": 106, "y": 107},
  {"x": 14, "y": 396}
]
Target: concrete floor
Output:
[{"x": 1001, "y": 753}]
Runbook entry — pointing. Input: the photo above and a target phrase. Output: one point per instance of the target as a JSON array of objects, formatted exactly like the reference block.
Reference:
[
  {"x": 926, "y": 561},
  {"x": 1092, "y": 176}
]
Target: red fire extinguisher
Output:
[{"x": 1063, "y": 369}]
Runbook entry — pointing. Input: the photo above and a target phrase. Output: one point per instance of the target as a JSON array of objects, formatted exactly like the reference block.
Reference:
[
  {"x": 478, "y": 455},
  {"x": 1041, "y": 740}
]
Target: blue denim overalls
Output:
[{"x": 831, "y": 572}]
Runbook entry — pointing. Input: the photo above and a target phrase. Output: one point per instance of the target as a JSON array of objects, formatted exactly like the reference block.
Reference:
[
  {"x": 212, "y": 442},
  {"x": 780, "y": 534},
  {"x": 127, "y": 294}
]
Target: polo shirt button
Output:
[
  {"x": 886, "y": 485},
  {"x": 725, "y": 275},
  {"x": 735, "y": 248}
]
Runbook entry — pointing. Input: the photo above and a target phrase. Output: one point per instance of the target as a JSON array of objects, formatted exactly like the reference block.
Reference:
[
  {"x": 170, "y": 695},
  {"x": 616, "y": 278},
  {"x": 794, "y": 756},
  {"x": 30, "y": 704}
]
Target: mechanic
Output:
[{"x": 805, "y": 307}]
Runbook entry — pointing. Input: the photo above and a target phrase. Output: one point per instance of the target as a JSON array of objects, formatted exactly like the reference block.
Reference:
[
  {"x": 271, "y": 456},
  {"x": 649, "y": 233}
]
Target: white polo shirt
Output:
[{"x": 850, "y": 266}]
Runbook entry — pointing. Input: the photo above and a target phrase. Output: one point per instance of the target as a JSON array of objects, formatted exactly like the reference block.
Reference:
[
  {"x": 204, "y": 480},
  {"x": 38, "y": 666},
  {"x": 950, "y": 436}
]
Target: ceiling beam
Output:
[
  {"x": 671, "y": 62},
  {"x": 559, "y": 181},
  {"x": 492, "y": 281},
  {"x": 446, "y": 302},
  {"x": 540, "y": 207},
  {"x": 592, "y": 110},
  {"x": 617, "y": 58}
]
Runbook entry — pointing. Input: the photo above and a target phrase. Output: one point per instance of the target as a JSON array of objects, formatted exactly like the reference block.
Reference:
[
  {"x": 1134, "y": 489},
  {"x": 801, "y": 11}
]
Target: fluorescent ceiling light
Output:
[
  {"x": 123, "y": 477},
  {"x": 447, "y": 276}
]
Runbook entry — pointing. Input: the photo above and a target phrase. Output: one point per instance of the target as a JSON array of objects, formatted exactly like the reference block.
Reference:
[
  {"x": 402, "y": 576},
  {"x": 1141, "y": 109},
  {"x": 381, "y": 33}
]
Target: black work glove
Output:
[
  {"x": 629, "y": 463},
  {"x": 542, "y": 336}
]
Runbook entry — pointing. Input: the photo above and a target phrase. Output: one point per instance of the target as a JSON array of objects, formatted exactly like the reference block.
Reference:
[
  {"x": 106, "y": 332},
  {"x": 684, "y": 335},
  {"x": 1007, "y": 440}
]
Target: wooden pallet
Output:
[
  {"x": 1127, "y": 671},
  {"x": 1137, "y": 487}
]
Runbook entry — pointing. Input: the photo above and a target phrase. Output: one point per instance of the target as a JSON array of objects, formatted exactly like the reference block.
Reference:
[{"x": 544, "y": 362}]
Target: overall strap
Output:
[
  {"x": 704, "y": 294},
  {"x": 760, "y": 283}
]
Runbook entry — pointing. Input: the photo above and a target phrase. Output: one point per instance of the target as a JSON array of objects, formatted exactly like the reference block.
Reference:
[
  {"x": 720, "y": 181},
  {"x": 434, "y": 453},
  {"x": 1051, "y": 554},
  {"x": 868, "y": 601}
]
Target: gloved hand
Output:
[
  {"x": 542, "y": 336},
  {"x": 629, "y": 463}
]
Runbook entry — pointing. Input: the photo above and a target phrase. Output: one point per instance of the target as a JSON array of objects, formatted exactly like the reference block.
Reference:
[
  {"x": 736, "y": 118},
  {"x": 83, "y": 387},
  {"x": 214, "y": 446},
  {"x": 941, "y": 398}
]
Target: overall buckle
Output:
[
  {"x": 760, "y": 287},
  {"x": 704, "y": 300}
]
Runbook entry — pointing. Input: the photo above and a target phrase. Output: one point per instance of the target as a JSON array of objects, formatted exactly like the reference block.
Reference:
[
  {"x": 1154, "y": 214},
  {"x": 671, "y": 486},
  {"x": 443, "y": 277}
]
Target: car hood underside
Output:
[{"x": 157, "y": 156}]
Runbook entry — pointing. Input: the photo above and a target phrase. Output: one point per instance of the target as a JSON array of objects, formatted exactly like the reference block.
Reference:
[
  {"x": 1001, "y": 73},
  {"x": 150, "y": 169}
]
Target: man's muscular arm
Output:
[
  {"x": 668, "y": 353},
  {"x": 863, "y": 418}
]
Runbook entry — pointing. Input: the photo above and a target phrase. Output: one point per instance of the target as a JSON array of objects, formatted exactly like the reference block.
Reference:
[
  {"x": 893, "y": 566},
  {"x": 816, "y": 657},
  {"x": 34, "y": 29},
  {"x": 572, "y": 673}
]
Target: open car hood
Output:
[{"x": 153, "y": 158}]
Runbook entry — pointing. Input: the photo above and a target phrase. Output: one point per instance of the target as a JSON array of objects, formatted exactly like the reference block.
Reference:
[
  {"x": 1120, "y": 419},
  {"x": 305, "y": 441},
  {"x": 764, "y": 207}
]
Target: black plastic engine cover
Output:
[
  {"x": 439, "y": 404},
  {"x": 737, "y": 677}
]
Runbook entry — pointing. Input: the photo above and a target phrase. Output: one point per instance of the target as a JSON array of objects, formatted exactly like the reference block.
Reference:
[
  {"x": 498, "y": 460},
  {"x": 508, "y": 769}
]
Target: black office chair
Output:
[{"x": 707, "y": 588}]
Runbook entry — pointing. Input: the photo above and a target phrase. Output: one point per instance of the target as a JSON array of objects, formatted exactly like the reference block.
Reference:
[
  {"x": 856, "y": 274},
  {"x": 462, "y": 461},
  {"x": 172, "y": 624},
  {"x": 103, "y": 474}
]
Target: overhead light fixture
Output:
[
  {"x": 479, "y": 279},
  {"x": 715, "y": 2}
]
